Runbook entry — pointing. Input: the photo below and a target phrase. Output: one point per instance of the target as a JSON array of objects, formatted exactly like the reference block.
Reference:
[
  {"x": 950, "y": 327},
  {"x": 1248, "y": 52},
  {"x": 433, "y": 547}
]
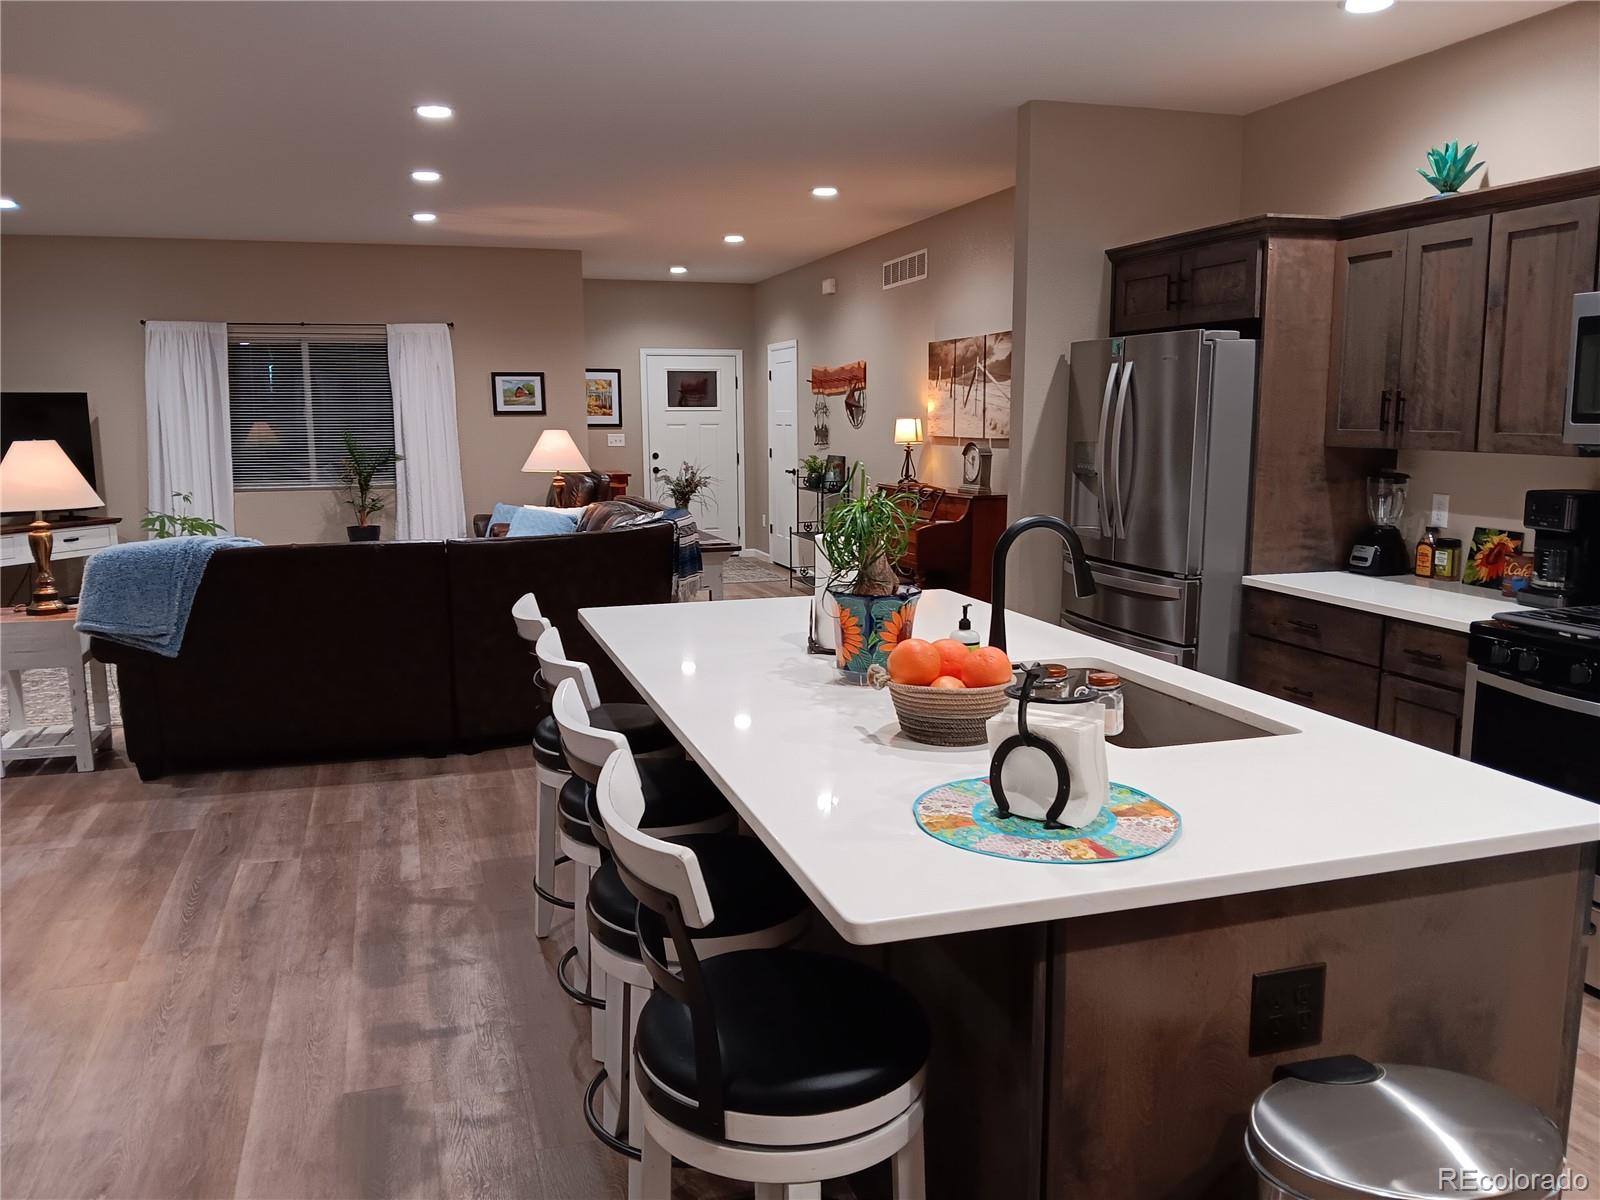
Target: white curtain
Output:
[
  {"x": 428, "y": 501},
  {"x": 186, "y": 412}
]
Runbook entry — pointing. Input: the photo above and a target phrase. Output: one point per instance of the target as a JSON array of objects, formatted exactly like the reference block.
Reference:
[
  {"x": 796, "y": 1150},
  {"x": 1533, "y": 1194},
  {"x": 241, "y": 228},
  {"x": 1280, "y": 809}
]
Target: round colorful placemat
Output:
[{"x": 962, "y": 814}]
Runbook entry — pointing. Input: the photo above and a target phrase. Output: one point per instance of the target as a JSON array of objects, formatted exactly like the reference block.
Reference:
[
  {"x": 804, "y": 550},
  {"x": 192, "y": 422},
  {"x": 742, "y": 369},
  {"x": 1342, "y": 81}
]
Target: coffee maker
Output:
[
  {"x": 1566, "y": 549},
  {"x": 1380, "y": 549}
]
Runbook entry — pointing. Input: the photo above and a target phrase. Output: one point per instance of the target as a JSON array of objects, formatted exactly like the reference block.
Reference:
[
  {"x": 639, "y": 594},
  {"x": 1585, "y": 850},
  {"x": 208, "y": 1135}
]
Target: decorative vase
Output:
[
  {"x": 362, "y": 533},
  {"x": 867, "y": 628}
]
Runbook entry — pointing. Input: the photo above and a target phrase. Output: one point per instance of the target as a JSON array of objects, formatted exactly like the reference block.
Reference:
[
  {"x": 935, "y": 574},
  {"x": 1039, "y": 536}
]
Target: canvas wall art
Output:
[{"x": 968, "y": 393}]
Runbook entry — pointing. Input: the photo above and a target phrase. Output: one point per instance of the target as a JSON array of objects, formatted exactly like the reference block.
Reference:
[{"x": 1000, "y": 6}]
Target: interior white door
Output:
[
  {"x": 783, "y": 450},
  {"x": 692, "y": 401}
]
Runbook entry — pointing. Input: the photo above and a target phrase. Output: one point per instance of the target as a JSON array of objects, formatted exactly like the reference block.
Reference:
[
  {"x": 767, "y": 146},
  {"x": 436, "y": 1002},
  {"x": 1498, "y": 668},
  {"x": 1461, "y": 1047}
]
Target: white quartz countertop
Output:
[
  {"x": 820, "y": 772},
  {"x": 1427, "y": 602}
]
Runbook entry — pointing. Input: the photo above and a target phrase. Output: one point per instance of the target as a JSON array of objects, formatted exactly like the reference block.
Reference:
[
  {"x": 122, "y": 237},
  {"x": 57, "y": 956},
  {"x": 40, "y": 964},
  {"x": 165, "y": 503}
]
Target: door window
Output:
[{"x": 691, "y": 389}]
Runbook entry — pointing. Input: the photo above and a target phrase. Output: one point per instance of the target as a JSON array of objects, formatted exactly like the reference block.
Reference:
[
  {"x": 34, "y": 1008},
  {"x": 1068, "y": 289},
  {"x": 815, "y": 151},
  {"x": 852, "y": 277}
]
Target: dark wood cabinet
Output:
[
  {"x": 1364, "y": 362},
  {"x": 1441, "y": 343},
  {"x": 1420, "y": 712},
  {"x": 1330, "y": 685},
  {"x": 1539, "y": 258},
  {"x": 1344, "y": 632},
  {"x": 1211, "y": 284},
  {"x": 1423, "y": 652}
]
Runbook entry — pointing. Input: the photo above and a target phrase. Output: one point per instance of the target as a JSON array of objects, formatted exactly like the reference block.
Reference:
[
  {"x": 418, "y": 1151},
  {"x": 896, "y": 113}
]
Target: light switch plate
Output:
[
  {"x": 1439, "y": 513},
  {"x": 616, "y": 439}
]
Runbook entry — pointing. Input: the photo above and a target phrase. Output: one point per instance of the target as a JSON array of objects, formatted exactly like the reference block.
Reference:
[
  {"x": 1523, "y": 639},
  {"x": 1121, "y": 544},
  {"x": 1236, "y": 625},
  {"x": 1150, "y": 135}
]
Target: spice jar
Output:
[
  {"x": 1447, "y": 558},
  {"x": 1107, "y": 687}
]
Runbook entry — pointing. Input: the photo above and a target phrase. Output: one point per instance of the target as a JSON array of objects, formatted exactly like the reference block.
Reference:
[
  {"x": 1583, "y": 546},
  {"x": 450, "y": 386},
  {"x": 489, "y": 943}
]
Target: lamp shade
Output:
[
  {"x": 556, "y": 451},
  {"x": 38, "y": 475},
  {"x": 908, "y": 431}
]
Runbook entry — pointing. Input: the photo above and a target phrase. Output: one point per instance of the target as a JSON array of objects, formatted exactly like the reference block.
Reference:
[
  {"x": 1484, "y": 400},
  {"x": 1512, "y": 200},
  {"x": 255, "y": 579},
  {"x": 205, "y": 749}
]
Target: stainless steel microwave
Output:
[{"x": 1583, "y": 373}]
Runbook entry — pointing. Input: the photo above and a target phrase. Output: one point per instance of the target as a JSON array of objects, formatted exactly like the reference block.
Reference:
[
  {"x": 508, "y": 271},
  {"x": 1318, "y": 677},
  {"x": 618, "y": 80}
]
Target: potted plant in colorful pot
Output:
[
  {"x": 862, "y": 537},
  {"x": 358, "y": 487}
]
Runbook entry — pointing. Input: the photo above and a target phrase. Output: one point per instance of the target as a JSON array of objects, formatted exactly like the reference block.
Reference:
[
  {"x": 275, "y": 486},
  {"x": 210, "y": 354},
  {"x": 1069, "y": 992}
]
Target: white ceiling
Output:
[{"x": 637, "y": 133}]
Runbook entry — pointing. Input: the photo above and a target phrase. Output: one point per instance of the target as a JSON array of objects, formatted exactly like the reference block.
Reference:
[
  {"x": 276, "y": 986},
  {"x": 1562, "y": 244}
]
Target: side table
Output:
[{"x": 28, "y": 643}]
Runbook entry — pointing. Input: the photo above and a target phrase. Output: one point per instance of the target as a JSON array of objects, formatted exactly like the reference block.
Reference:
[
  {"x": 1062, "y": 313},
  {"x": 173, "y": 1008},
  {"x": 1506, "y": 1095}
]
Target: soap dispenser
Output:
[{"x": 963, "y": 631}]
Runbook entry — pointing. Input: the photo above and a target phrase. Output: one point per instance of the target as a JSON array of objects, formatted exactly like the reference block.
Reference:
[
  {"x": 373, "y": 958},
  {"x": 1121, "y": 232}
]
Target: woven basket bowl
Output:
[{"x": 946, "y": 716}]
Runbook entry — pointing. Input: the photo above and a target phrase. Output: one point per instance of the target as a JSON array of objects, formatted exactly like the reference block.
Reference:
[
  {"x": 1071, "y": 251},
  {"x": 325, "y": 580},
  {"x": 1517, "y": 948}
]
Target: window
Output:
[{"x": 293, "y": 394}]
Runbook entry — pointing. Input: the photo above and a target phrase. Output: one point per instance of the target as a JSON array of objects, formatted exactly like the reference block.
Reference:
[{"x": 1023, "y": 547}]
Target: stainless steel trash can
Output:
[{"x": 1346, "y": 1129}]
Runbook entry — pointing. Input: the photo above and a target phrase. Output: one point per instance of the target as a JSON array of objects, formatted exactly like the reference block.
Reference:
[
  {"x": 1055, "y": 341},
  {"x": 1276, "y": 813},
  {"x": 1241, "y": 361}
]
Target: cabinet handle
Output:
[
  {"x": 70, "y": 540},
  {"x": 1305, "y": 626},
  {"x": 1301, "y": 692},
  {"x": 1400, "y": 411},
  {"x": 1383, "y": 411},
  {"x": 1426, "y": 656}
]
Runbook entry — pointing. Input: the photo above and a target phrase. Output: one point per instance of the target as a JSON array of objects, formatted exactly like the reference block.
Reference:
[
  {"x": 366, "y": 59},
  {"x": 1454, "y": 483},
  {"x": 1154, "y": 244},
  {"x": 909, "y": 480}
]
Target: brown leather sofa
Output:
[{"x": 304, "y": 653}]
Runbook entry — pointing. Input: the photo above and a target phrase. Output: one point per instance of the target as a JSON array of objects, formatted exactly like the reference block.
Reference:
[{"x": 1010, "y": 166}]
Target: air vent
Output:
[{"x": 906, "y": 269}]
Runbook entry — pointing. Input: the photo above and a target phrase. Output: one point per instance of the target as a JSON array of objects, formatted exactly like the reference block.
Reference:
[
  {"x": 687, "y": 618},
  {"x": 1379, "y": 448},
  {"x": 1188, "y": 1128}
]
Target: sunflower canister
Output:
[{"x": 862, "y": 537}]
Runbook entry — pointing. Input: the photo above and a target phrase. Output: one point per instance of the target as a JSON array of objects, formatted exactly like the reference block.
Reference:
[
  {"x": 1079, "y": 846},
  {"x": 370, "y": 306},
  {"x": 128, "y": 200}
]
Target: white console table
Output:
[{"x": 71, "y": 539}]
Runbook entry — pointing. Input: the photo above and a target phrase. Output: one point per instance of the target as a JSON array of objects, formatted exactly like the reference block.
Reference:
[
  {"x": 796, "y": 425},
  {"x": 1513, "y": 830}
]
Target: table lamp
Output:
[
  {"x": 908, "y": 433},
  {"x": 556, "y": 451},
  {"x": 36, "y": 476}
]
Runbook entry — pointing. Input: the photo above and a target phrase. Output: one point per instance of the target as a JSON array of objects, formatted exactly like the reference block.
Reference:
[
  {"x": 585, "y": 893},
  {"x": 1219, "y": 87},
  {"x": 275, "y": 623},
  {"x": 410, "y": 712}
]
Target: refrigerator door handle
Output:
[
  {"x": 1117, "y": 422},
  {"x": 1100, "y": 451}
]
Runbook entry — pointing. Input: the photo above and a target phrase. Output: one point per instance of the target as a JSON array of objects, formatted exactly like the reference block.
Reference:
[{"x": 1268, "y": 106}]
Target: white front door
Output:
[
  {"x": 782, "y": 449},
  {"x": 692, "y": 405}
]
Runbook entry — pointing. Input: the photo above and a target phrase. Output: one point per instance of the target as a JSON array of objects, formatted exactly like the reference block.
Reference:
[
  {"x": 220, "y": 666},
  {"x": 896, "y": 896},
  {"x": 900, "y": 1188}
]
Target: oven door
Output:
[{"x": 1534, "y": 734}]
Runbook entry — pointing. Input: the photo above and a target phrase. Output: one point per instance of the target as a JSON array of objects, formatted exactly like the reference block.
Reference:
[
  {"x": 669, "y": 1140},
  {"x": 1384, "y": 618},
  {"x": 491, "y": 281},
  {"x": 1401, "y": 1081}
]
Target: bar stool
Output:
[
  {"x": 759, "y": 905},
  {"x": 778, "y": 1067}
]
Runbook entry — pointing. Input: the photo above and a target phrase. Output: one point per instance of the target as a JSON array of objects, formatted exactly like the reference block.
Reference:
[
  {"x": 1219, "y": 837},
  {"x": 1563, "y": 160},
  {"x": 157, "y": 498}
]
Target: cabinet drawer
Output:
[
  {"x": 1342, "y": 632},
  {"x": 1421, "y": 652},
  {"x": 67, "y": 542},
  {"x": 1330, "y": 685},
  {"x": 1421, "y": 713}
]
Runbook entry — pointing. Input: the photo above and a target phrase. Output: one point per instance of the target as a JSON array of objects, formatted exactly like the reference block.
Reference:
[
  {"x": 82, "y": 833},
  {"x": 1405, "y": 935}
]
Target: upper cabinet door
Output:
[
  {"x": 1145, "y": 294},
  {"x": 1539, "y": 258},
  {"x": 1364, "y": 367},
  {"x": 1221, "y": 282},
  {"x": 1441, "y": 348}
]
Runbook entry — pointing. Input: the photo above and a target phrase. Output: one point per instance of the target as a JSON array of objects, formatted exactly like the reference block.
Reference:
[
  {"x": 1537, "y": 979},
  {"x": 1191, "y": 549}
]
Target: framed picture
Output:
[
  {"x": 834, "y": 478},
  {"x": 519, "y": 393},
  {"x": 602, "y": 387}
]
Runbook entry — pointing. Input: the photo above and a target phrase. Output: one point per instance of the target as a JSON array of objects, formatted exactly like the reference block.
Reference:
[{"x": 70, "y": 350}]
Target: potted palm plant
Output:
[
  {"x": 862, "y": 537},
  {"x": 358, "y": 487}
]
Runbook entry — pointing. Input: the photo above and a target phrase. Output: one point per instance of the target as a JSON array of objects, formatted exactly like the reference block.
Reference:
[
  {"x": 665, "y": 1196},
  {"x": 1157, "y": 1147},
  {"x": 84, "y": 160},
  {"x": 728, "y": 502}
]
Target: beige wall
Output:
[
  {"x": 1089, "y": 177},
  {"x": 622, "y": 317},
  {"x": 1527, "y": 94},
  {"x": 72, "y": 308},
  {"x": 968, "y": 291}
]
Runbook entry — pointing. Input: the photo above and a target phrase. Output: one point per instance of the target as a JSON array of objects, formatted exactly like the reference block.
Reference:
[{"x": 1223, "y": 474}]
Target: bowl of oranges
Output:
[{"x": 944, "y": 692}]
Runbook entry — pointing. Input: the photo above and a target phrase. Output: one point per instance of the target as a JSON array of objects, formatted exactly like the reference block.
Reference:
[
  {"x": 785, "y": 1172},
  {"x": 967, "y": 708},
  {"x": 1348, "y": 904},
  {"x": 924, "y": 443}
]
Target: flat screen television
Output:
[{"x": 60, "y": 416}]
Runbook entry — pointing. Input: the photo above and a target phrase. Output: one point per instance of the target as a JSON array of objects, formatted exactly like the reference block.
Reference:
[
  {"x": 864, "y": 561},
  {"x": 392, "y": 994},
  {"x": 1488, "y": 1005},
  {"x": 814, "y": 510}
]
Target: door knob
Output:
[
  {"x": 655, "y": 470},
  {"x": 654, "y": 455}
]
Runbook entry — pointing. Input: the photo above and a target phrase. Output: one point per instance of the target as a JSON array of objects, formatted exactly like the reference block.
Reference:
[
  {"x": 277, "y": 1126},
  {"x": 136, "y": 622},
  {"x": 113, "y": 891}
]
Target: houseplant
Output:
[
  {"x": 812, "y": 469},
  {"x": 175, "y": 524},
  {"x": 1448, "y": 168},
  {"x": 684, "y": 487},
  {"x": 862, "y": 536},
  {"x": 358, "y": 487}
]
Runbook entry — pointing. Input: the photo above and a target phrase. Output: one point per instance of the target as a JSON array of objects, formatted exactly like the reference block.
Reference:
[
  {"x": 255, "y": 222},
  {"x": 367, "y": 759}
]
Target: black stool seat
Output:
[
  {"x": 800, "y": 1033},
  {"x": 750, "y": 891},
  {"x": 572, "y": 811},
  {"x": 636, "y": 722}
]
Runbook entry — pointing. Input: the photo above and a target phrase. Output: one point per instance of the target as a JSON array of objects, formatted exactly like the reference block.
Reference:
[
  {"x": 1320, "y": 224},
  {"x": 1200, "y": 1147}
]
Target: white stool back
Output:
[
  {"x": 587, "y": 747},
  {"x": 556, "y": 666},
  {"x": 662, "y": 865}
]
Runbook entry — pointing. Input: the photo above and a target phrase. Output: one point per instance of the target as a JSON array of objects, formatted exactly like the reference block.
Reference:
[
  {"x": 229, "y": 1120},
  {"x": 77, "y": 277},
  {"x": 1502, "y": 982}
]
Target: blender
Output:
[{"x": 1380, "y": 549}]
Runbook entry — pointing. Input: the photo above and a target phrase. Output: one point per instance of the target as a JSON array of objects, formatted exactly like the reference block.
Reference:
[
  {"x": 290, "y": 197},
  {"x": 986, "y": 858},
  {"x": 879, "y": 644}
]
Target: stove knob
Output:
[
  {"x": 1527, "y": 661},
  {"x": 1499, "y": 654},
  {"x": 1581, "y": 673}
]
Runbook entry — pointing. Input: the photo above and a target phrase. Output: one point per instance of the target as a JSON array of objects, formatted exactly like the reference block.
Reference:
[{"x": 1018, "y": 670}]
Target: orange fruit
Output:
[
  {"x": 914, "y": 661},
  {"x": 986, "y": 667},
  {"x": 949, "y": 681},
  {"x": 952, "y": 656}
]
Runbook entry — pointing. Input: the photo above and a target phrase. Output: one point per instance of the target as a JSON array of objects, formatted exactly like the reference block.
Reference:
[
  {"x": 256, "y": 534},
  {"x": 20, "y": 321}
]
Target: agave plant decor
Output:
[
  {"x": 1448, "y": 167},
  {"x": 861, "y": 538}
]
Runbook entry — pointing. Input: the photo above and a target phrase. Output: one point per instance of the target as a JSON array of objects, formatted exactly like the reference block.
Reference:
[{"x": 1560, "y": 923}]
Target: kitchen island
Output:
[{"x": 1092, "y": 1021}]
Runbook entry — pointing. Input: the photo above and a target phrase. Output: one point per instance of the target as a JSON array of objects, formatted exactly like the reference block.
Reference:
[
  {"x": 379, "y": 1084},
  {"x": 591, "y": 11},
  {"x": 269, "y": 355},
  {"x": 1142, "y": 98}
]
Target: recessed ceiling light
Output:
[
  {"x": 424, "y": 218},
  {"x": 733, "y": 239},
  {"x": 824, "y": 193},
  {"x": 679, "y": 270},
  {"x": 426, "y": 176},
  {"x": 7, "y": 203},
  {"x": 1363, "y": 7},
  {"x": 435, "y": 112}
]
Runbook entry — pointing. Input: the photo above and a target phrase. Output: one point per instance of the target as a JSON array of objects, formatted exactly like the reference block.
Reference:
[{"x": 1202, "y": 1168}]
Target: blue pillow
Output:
[
  {"x": 503, "y": 513},
  {"x": 538, "y": 522}
]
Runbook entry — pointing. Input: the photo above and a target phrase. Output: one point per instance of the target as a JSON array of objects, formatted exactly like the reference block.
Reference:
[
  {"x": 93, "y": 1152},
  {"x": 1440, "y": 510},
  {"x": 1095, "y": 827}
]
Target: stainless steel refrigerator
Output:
[{"x": 1160, "y": 428}]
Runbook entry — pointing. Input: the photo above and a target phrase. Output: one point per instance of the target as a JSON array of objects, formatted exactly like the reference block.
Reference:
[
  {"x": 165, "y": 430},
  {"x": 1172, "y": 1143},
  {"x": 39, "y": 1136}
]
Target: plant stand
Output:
[{"x": 805, "y": 532}]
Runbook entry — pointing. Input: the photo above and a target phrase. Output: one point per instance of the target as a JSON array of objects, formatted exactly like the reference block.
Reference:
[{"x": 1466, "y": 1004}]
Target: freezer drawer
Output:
[
  {"x": 1184, "y": 656},
  {"x": 1152, "y": 606}
]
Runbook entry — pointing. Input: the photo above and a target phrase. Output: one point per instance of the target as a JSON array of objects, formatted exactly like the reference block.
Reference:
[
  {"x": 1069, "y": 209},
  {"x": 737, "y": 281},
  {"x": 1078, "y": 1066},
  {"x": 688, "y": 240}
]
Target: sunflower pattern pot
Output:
[{"x": 867, "y": 628}]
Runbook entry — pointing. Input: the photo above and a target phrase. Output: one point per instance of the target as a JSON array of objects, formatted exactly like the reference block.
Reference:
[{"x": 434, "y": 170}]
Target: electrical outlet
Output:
[
  {"x": 1286, "y": 1008},
  {"x": 616, "y": 439},
  {"x": 1439, "y": 513}
]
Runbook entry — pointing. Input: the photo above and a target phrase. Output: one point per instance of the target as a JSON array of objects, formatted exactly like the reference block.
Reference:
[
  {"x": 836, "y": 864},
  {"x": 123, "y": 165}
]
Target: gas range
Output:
[{"x": 1553, "y": 648}]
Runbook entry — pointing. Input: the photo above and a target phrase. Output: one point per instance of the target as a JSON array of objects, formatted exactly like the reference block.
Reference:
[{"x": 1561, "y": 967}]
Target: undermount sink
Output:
[{"x": 1170, "y": 716}]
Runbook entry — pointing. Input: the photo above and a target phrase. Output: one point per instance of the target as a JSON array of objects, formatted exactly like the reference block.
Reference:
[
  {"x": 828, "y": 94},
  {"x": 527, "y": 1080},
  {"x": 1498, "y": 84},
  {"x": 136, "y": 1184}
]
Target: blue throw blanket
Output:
[{"x": 140, "y": 593}]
